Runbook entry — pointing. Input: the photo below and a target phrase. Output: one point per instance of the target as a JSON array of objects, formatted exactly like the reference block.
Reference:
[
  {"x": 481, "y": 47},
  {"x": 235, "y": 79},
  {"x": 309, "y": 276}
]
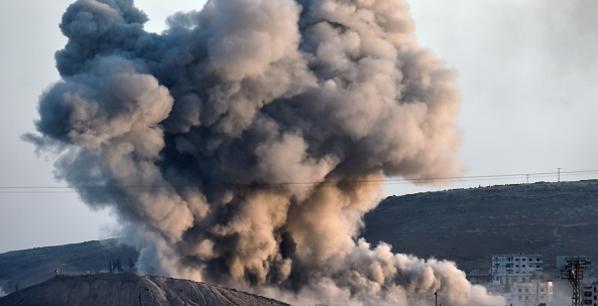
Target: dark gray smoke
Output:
[{"x": 213, "y": 140}]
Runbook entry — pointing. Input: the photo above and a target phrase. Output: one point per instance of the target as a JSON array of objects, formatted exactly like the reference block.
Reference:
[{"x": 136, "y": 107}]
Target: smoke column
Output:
[{"x": 244, "y": 144}]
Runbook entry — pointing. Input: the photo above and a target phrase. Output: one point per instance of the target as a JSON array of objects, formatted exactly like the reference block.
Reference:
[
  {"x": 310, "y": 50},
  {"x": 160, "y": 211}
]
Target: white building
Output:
[
  {"x": 512, "y": 268},
  {"x": 589, "y": 295},
  {"x": 531, "y": 293}
]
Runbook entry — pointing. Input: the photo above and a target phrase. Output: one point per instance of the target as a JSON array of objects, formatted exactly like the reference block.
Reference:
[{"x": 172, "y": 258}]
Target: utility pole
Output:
[
  {"x": 527, "y": 178},
  {"x": 435, "y": 298},
  {"x": 559, "y": 175}
]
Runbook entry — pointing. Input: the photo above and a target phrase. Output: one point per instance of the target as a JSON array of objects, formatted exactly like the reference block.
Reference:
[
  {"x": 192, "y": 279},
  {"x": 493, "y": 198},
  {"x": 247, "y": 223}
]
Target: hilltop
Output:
[
  {"x": 465, "y": 225},
  {"x": 126, "y": 289},
  {"x": 470, "y": 225},
  {"x": 21, "y": 269}
]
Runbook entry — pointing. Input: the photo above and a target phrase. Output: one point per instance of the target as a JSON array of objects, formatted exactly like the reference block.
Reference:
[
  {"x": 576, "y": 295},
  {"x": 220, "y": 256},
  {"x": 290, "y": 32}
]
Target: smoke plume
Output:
[{"x": 244, "y": 144}]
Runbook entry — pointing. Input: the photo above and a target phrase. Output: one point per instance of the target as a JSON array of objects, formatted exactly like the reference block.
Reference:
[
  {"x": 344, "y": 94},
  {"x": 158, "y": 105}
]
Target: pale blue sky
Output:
[{"x": 528, "y": 74}]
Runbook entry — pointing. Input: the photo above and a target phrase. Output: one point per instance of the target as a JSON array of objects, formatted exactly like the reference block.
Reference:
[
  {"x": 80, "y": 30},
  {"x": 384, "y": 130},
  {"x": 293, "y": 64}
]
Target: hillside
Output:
[
  {"x": 130, "y": 289},
  {"x": 29, "y": 267},
  {"x": 466, "y": 225},
  {"x": 469, "y": 225}
]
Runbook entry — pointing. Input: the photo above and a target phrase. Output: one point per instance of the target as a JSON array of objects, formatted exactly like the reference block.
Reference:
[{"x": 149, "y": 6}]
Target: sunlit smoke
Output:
[{"x": 244, "y": 144}]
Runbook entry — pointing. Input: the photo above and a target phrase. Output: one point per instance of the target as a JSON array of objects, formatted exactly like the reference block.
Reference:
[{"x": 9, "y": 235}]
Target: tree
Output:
[{"x": 131, "y": 264}]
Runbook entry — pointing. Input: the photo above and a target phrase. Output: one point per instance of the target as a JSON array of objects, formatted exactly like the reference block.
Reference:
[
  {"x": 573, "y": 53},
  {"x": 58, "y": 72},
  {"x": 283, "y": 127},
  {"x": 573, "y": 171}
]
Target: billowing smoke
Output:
[{"x": 244, "y": 144}]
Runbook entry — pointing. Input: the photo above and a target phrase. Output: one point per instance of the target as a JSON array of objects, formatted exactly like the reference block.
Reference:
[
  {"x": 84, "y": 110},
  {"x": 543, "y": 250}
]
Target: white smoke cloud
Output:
[{"x": 213, "y": 139}]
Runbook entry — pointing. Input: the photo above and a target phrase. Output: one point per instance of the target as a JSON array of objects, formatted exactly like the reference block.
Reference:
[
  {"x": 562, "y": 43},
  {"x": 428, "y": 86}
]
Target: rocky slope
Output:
[
  {"x": 130, "y": 290},
  {"x": 470, "y": 225},
  {"x": 21, "y": 269},
  {"x": 466, "y": 225}
]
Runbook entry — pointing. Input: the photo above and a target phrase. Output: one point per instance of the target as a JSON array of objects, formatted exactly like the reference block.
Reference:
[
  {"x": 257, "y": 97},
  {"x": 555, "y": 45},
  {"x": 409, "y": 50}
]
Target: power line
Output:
[{"x": 391, "y": 181}]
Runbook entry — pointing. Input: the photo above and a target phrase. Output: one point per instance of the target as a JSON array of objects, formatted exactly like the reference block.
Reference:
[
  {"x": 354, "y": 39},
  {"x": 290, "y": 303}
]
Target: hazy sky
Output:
[{"x": 527, "y": 69}]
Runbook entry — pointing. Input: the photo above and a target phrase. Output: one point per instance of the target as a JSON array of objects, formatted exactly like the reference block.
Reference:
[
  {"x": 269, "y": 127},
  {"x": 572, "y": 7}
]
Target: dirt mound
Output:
[{"x": 130, "y": 290}]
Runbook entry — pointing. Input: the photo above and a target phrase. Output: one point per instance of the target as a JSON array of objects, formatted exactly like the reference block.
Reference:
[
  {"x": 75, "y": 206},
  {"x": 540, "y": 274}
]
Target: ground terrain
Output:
[
  {"x": 128, "y": 289},
  {"x": 470, "y": 225},
  {"x": 467, "y": 226}
]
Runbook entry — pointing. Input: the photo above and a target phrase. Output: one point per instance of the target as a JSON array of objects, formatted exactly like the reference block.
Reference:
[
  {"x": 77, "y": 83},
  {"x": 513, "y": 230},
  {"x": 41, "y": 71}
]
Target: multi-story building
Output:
[
  {"x": 589, "y": 295},
  {"x": 531, "y": 293},
  {"x": 563, "y": 260},
  {"x": 512, "y": 268},
  {"x": 479, "y": 276}
]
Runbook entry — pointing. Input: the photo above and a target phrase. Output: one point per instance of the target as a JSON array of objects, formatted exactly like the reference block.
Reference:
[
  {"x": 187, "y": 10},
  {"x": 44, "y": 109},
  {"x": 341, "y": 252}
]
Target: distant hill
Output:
[
  {"x": 465, "y": 225},
  {"x": 127, "y": 289},
  {"x": 29, "y": 267},
  {"x": 470, "y": 225}
]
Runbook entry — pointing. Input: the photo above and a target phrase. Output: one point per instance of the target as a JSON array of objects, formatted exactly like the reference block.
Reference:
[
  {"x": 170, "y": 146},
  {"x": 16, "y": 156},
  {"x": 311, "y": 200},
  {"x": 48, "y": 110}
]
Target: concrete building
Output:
[
  {"x": 479, "y": 276},
  {"x": 562, "y": 261},
  {"x": 589, "y": 295},
  {"x": 531, "y": 293},
  {"x": 512, "y": 268}
]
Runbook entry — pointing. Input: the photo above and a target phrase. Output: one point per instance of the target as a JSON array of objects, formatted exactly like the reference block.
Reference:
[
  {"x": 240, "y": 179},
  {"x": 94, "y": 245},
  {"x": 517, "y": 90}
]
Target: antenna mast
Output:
[{"x": 573, "y": 272}]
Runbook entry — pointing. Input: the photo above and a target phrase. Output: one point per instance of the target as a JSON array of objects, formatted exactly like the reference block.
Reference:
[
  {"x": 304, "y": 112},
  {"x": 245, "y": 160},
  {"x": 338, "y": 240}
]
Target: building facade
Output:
[
  {"x": 589, "y": 295},
  {"x": 479, "y": 276},
  {"x": 513, "y": 268},
  {"x": 531, "y": 293}
]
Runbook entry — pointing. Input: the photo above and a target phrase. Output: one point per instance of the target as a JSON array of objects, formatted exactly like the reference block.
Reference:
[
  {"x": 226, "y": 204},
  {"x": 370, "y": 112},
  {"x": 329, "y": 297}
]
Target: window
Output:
[
  {"x": 587, "y": 294},
  {"x": 523, "y": 266},
  {"x": 587, "y": 302},
  {"x": 526, "y": 290},
  {"x": 519, "y": 289},
  {"x": 516, "y": 259},
  {"x": 523, "y": 259}
]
